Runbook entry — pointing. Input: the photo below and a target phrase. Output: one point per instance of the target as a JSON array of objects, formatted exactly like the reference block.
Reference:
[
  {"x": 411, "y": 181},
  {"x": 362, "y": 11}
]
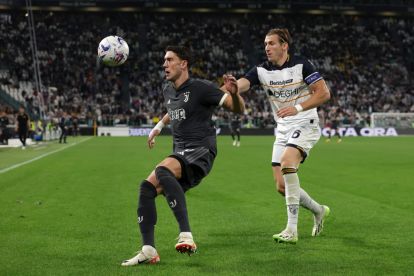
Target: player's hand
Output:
[
  {"x": 151, "y": 137},
  {"x": 230, "y": 84},
  {"x": 287, "y": 111}
]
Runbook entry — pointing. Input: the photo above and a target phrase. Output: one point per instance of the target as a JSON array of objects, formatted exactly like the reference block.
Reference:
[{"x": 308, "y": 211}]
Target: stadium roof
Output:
[{"x": 351, "y": 7}]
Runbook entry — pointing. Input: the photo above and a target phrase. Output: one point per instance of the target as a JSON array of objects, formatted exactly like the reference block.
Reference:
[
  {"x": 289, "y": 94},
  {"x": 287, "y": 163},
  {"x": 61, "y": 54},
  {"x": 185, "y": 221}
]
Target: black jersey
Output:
[
  {"x": 190, "y": 109},
  {"x": 22, "y": 120},
  {"x": 235, "y": 122}
]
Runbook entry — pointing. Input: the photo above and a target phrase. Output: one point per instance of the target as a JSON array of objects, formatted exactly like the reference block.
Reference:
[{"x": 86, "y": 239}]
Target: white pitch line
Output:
[{"x": 40, "y": 157}]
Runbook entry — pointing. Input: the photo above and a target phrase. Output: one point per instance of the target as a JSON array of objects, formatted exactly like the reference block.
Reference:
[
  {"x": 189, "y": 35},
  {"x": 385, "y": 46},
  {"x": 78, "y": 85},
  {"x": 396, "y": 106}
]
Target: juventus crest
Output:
[{"x": 186, "y": 96}]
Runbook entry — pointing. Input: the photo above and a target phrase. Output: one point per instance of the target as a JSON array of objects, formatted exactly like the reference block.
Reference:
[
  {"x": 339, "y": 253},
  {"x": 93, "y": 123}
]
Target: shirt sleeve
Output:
[
  {"x": 252, "y": 76},
  {"x": 212, "y": 95},
  {"x": 310, "y": 75}
]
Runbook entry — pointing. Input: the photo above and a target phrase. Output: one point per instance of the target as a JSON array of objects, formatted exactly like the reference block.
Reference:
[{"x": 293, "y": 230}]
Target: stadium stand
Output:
[{"x": 367, "y": 61}]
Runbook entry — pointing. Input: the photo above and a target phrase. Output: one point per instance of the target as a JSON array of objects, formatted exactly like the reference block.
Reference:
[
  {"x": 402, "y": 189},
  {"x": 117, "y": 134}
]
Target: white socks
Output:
[
  {"x": 292, "y": 191},
  {"x": 310, "y": 204}
]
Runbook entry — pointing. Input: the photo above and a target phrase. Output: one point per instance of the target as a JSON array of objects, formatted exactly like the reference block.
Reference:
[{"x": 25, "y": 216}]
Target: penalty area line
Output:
[{"x": 15, "y": 166}]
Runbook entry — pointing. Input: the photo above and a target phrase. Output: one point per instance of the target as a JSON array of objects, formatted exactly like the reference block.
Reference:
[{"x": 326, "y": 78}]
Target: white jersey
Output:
[{"x": 287, "y": 86}]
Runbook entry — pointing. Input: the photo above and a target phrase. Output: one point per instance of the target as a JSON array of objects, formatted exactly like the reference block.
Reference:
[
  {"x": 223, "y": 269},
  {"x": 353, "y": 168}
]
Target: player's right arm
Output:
[
  {"x": 157, "y": 130},
  {"x": 243, "y": 84}
]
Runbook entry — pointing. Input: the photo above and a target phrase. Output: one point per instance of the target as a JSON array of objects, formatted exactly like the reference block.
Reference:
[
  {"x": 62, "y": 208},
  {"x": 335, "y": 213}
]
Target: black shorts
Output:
[
  {"x": 196, "y": 163},
  {"x": 22, "y": 131}
]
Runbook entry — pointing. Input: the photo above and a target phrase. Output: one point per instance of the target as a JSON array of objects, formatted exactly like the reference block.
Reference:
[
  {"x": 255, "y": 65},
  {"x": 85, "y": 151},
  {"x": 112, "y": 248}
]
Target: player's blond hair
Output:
[{"x": 284, "y": 35}]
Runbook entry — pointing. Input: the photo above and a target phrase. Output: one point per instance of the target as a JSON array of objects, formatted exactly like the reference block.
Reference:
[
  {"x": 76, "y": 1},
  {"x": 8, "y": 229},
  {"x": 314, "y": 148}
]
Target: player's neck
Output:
[
  {"x": 283, "y": 60},
  {"x": 183, "y": 78}
]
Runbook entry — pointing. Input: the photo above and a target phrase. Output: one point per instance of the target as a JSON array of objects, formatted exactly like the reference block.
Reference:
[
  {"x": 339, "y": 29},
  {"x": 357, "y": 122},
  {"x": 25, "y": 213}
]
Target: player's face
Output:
[
  {"x": 173, "y": 66},
  {"x": 275, "y": 50}
]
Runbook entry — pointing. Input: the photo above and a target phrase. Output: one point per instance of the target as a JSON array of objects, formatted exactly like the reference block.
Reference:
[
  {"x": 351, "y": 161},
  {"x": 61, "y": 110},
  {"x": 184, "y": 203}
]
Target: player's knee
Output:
[
  {"x": 162, "y": 172},
  {"x": 288, "y": 163}
]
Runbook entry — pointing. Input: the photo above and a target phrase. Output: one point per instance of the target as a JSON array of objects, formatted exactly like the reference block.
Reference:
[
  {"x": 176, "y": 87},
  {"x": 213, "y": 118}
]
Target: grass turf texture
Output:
[{"x": 74, "y": 211}]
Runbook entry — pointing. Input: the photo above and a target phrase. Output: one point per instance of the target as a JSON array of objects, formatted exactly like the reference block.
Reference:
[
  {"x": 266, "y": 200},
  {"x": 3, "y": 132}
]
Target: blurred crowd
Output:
[{"x": 368, "y": 62}]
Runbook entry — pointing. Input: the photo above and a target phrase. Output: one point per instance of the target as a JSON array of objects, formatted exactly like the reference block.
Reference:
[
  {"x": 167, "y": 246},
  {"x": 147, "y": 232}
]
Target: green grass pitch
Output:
[{"x": 73, "y": 212}]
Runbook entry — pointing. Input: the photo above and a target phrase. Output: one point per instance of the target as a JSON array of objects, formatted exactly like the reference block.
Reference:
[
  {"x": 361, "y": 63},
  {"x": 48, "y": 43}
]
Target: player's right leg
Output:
[{"x": 147, "y": 218}]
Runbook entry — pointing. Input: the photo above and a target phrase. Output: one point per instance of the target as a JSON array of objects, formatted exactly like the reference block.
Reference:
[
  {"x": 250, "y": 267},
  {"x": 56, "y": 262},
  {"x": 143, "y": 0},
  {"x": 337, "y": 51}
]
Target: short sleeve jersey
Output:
[
  {"x": 235, "y": 122},
  {"x": 190, "y": 108},
  {"x": 286, "y": 85}
]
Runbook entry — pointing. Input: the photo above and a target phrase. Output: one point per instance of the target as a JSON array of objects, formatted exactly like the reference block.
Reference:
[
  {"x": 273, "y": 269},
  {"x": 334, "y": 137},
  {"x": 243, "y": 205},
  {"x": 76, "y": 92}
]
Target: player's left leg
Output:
[
  {"x": 238, "y": 137},
  {"x": 167, "y": 173}
]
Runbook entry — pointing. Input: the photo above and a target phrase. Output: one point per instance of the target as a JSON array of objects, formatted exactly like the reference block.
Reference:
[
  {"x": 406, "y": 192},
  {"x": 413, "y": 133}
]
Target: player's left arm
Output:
[
  {"x": 319, "y": 94},
  {"x": 233, "y": 102}
]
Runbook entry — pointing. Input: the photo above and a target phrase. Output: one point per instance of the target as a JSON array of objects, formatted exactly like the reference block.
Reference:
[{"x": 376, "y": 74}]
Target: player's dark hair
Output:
[
  {"x": 284, "y": 35},
  {"x": 182, "y": 52}
]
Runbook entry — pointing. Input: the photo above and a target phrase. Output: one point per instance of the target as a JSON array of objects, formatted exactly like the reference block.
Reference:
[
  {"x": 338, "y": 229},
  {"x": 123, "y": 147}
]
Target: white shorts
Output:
[{"x": 302, "y": 136}]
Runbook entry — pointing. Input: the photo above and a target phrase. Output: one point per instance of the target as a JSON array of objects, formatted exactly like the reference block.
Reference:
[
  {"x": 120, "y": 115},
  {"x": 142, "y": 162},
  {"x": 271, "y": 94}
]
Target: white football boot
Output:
[
  {"x": 319, "y": 220},
  {"x": 186, "y": 243},
  {"x": 148, "y": 255},
  {"x": 286, "y": 236}
]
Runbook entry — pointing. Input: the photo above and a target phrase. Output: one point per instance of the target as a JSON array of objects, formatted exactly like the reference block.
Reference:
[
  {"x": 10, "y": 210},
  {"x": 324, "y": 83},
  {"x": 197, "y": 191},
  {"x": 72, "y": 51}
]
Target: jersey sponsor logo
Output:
[
  {"x": 177, "y": 114},
  {"x": 184, "y": 151},
  {"x": 173, "y": 203},
  {"x": 283, "y": 82},
  {"x": 287, "y": 93},
  {"x": 186, "y": 96}
]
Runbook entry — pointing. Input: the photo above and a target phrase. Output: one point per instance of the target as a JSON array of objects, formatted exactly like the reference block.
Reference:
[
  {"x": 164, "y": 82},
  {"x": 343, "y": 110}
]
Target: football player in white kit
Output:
[{"x": 294, "y": 89}]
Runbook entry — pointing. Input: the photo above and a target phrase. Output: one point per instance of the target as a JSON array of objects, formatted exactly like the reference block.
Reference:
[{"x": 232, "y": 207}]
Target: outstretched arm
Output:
[
  {"x": 243, "y": 84},
  {"x": 320, "y": 94},
  {"x": 157, "y": 130},
  {"x": 234, "y": 102}
]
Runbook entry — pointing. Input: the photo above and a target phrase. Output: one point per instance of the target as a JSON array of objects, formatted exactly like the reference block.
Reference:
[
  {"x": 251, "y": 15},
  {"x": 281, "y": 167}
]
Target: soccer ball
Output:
[{"x": 113, "y": 50}]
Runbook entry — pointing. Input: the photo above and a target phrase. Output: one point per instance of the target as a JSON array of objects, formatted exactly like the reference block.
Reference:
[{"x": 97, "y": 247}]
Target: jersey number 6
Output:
[{"x": 296, "y": 134}]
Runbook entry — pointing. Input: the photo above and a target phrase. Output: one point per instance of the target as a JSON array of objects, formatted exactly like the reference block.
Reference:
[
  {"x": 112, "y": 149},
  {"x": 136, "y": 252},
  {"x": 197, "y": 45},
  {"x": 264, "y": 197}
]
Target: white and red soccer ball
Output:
[{"x": 113, "y": 50}]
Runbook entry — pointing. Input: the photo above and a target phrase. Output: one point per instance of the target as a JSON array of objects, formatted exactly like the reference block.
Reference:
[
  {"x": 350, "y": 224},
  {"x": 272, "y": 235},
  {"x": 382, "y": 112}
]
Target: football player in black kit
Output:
[
  {"x": 4, "y": 121},
  {"x": 190, "y": 104},
  {"x": 63, "y": 122},
  {"x": 23, "y": 126},
  {"x": 235, "y": 126}
]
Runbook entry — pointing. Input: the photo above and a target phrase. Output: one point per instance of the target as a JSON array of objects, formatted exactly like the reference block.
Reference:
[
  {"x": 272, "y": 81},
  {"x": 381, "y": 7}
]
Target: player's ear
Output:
[{"x": 184, "y": 64}]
